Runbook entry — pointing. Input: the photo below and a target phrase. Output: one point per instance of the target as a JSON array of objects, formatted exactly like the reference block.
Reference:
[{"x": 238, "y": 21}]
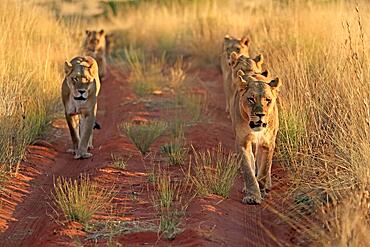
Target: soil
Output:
[{"x": 27, "y": 217}]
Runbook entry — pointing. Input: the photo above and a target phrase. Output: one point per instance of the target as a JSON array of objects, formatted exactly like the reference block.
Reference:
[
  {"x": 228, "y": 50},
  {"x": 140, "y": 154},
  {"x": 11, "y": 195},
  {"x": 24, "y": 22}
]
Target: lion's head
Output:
[
  {"x": 245, "y": 63},
  {"x": 240, "y": 46},
  {"x": 95, "y": 40},
  {"x": 81, "y": 73},
  {"x": 258, "y": 96}
]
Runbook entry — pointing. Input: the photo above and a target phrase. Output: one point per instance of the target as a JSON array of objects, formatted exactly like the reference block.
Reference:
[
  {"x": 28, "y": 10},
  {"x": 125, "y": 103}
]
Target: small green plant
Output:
[
  {"x": 118, "y": 162},
  {"x": 80, "y": 199},
  {"x": 143, "y": 135},
  {"x": 170, "y": 224},
  {"x": 175, "y": 151},
  {"x": 177, "y": 127},
  {"x": 214, "y": 172},
  {"x": 170, "y": 200}
]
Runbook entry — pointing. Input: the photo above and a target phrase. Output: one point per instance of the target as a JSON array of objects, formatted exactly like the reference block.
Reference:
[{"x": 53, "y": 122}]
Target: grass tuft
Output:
[
  {"x": 143, "y": 135},
  {"x": 146, "y": 76},
  {"x": 171, "y": 199},
  {"x": 176, "y": 152},
  {"x": 80, "y": 199},
  {"x": 118, "y": 162},
  {"x": 214, "y": 172}
]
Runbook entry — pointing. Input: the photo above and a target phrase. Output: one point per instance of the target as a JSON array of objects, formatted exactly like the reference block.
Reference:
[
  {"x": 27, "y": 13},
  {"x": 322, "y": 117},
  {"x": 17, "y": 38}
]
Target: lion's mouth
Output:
[
  {"x": 81, "y": 98},
  {"x": 258, "y": 124}
]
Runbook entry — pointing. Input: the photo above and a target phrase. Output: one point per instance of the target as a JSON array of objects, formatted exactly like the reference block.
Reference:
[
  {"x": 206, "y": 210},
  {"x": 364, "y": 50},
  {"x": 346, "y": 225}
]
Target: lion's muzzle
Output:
[
  {"x": 260, "y": 124},
  {"x": 80, "y": 98},
  {"x": 257, "y": 125}
]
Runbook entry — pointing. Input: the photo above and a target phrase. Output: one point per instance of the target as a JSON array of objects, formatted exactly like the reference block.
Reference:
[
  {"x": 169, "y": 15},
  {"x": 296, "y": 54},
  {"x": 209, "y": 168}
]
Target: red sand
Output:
[{"x": 27, "y": 219}]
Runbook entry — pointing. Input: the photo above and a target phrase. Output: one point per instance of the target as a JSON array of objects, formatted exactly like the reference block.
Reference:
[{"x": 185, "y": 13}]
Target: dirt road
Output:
[{"x": 26, "y": 216}]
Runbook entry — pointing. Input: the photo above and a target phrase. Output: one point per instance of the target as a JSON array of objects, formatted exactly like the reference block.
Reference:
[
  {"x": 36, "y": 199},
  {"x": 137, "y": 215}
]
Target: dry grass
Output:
[
  {"x": 146, "y": 73},
  {"x": 171, "y": 199},
  {"x": 214, "y": 172},
  {"x": 119, "y": 162},
  {"x": 32, "y": 49},
  {"x": 80, "y": 199},
  {"x": 143, "y": 135}
]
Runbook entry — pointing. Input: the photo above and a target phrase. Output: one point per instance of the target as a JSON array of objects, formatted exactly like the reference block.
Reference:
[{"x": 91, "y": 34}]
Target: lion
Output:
[
  {"x": 248, "y": 65},
  {"x": 80, "y": 90},
  {"x": 96, "y": 45},
  {"x": 231, "y": 44},
  {"x": 254, "y": 116}
]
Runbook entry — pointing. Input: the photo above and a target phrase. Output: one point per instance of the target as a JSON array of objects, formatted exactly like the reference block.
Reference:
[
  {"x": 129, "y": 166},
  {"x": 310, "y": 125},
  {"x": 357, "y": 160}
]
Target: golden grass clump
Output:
[
  {"x": 80, "y": 199},
  {"x": 214, "y": 172},
  {"x": 143, "y": 135},
  {"x": 32, "y": 48}
]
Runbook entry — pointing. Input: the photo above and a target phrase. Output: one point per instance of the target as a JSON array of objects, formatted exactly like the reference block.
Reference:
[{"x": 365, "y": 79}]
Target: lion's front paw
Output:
[
  {"x": 264, "y": 192},
  {"x": 252, "y": 199},
  {"x": 71, "y": 150},
  {"x": 82, "y": 155}
]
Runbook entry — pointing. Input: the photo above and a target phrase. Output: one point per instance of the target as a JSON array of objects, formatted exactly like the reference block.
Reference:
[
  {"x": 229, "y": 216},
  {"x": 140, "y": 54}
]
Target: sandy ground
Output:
[{"x": 27, "y": 218}]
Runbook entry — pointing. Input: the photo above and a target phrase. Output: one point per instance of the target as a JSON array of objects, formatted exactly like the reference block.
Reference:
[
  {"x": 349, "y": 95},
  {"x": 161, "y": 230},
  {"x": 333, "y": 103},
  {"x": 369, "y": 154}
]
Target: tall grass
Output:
[
  {"x": 319, "y": 50},
  {"x": 33, "y": 46}
]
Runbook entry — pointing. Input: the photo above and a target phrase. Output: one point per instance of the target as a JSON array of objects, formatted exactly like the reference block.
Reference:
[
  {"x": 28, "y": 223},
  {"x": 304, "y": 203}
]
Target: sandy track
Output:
[{"x": 25, "y": 210}]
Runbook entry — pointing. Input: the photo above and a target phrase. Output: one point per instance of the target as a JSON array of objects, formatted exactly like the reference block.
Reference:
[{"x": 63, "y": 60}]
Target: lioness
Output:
[
  {"x": 247, "y": 65},
  {"x": 80, "y": 89},
  {"x": 230, "y": 44},
  {"x": 95, "y": 45},
  {"x": 254, "y": 116}
]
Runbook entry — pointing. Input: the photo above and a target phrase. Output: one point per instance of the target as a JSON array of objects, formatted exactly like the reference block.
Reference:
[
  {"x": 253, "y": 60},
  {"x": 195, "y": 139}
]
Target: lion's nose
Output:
[
  {"x": 260, "y": 114},
  {"x": 81, "y": 91}
]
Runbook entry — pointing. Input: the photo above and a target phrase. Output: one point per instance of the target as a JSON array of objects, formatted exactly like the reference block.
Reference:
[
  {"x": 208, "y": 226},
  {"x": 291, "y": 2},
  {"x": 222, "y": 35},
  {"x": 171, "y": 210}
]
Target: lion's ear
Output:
[
  {"x": 276, "y": 83},
  {"x": 93, "y": 69},
  {"x": 233, "y": 58},
  {"x": 101, "y": 32},
  {"x": 242, "y": 82},
  {"x": 245, "y": 41},
  {"x": 87, "y": 32},
  {"x": 227, "y": 37},
  {"x": 259, "y": 60},
  {"x": 265, "y": 73},
  {"x": 67, "y": 67}
]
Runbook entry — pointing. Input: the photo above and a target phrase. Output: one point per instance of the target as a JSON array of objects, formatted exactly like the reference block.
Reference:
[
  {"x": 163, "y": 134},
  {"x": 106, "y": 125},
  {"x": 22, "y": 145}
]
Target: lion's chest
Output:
[{"x": 76, "y": 107}]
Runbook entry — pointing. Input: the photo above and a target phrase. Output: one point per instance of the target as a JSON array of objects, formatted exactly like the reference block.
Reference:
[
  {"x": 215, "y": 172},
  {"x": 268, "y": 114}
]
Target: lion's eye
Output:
[
  {"x": 251, "y": 100},
  {"x": 75, "y": 79},
  {"x": 268, "y": 101}
]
